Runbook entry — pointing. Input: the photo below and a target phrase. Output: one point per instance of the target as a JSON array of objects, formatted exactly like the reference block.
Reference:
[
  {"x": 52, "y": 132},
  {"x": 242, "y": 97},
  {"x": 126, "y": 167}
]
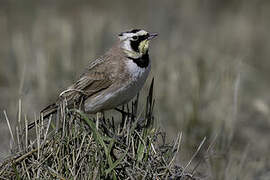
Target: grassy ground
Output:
[
  {"x": 97, "y": 148},
  {"x": 210, "y": 63}
]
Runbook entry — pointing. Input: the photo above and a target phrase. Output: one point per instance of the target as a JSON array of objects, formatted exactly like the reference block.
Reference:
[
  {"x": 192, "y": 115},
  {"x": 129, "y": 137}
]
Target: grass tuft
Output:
[{"x": 83, "y": 149}]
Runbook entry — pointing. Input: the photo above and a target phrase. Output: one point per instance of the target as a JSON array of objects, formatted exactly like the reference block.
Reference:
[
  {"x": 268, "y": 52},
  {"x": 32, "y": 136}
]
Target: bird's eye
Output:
[{"x": 135, "y": 38}]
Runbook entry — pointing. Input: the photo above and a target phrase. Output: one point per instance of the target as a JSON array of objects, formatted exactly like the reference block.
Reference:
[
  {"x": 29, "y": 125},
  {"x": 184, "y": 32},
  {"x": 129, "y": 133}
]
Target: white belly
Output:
[{"x": 115, "y": 96}]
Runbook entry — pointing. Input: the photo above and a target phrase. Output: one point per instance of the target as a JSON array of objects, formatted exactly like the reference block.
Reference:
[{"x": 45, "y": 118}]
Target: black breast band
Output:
[{"x": 143, "y": 61}]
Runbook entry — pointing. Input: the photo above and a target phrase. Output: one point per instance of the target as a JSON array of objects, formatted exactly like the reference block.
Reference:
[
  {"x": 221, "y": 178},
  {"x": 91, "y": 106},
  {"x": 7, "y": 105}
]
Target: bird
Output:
[{"x": 112, "y": 79}]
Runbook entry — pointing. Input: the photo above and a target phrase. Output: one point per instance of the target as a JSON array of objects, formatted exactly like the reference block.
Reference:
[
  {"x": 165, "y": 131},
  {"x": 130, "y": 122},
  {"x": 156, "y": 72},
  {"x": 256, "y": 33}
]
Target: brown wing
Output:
[
  {"x": 86, "y": 86},
  {"x": 92, "y": 81}
]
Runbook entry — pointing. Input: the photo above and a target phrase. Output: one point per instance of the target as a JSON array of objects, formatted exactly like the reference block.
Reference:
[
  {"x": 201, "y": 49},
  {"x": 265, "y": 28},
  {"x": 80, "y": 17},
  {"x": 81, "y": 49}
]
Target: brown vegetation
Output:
[{"x": 211, "y": 66}]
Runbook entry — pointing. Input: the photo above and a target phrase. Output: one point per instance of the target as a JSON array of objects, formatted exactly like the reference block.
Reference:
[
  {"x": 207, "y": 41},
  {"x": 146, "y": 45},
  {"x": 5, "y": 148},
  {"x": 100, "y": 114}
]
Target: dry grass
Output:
[
  {"x": 211, "y": 64},
  {"x": 86, "y": 149}
]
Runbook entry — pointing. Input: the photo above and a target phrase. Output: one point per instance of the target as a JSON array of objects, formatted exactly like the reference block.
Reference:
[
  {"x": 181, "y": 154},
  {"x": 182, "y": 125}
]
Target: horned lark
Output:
[{"x": 113, "y": 79}]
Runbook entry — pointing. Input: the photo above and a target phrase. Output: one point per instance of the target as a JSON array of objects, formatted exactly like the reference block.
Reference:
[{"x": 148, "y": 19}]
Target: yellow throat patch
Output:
[{"x": 143, "y": 47}]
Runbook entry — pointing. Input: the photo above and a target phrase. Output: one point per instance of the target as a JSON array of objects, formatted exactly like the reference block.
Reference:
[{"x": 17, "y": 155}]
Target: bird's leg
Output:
[
  {"x": 103, "y": 117},
  {"x": 121, "y": 111},
  {"x": 124, "y": 112}
]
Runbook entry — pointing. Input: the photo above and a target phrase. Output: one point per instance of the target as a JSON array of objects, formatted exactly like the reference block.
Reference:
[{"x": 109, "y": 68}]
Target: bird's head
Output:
[{"x": 135, "y": 43}]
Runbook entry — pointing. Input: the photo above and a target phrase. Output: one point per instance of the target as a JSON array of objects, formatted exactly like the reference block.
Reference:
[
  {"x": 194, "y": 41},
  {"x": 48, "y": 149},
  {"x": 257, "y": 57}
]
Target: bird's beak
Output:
[{"x": 152, "y": 36}]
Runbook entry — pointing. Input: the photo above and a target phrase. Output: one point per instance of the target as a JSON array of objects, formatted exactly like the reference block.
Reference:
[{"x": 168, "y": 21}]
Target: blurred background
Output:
[{"x": 210, "y": 63}]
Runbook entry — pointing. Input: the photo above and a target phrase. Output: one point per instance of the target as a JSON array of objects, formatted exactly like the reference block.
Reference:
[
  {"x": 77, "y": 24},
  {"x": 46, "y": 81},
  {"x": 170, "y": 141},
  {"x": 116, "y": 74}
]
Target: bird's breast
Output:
[{"x": 135, "y": 72}]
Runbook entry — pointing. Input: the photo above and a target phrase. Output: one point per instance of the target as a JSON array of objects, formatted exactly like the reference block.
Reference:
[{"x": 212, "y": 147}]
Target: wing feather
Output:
[{"x": 91, "y": 82}]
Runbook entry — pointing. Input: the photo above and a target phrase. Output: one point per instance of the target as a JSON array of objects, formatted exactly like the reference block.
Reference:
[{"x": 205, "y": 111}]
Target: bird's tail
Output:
[{"x": 45, "y": 114}]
